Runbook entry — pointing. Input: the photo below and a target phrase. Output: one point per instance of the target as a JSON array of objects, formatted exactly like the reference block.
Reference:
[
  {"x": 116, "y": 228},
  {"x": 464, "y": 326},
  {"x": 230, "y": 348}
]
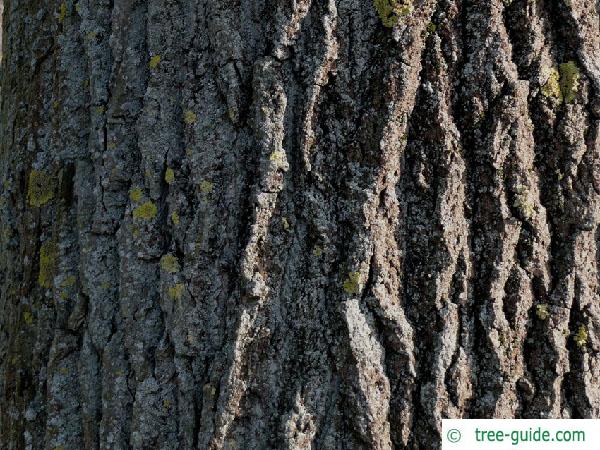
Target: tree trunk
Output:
[{"x": 260, "y": 224}]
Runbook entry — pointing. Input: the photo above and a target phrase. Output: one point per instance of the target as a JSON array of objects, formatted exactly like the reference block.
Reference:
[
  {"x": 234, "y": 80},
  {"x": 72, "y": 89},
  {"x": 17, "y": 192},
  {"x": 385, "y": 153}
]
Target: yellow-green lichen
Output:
[
  {"x": 189, "y": 117},
  {"x": 69, "y": 281},
  {"x": 169, "y": 175},
  {"x": 561, "y": 83},
  {"x": 154, "y": 61},
  {"x": 28, "y": 317},
  {"x": 352, "y": 283},
  {"x": 175, "y": 292},
  {"x": 166, "y": 404},
  {"x": 317, "y": 251},
  {"x": 541, "y": 311},
  {"x": 206, "y": 187},
  {"x": 431, "y": 28},
  {"x": 135, "y": 194},
  {"x": 569, "y": 80},
  {"x": 62, "y": 12},
  {"x": 581, "y": 337},
  {"x": 48, "y": 264},
  {"x": 175, "y": 218},
  {"x": 285, "y": 223},
  {"x": 232, "y": 112},
  {"x": 523, "y": 203},
  {"x": 552, "y": 86},
  {"x": 145, "y": 211},
  {"x": 100, "y": 109},
  {"x": 169, "y": 263},
  {"x": 390, "y": 11},
  {"x": 40, "y": 189},
  {"x": 277, "y": 156}
]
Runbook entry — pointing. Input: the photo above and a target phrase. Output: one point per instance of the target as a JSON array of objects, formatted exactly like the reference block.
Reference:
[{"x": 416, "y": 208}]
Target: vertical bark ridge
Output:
[
  {"x": 368, "y": 386},
  {"x": 437, "y": 196}
]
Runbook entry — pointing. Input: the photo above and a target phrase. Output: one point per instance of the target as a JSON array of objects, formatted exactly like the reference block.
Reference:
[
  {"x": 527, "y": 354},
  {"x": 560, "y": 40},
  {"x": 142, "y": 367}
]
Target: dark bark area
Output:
[{"x": 258, "y": 224}]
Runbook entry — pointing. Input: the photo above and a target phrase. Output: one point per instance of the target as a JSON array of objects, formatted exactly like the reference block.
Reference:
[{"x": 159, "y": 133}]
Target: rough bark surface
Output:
[{"x": 260, "y": 224}]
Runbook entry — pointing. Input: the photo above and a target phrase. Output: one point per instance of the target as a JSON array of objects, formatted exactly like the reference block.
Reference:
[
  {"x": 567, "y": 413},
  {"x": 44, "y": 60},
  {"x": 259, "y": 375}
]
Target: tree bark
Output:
[{"x": 259, "y": 224}]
